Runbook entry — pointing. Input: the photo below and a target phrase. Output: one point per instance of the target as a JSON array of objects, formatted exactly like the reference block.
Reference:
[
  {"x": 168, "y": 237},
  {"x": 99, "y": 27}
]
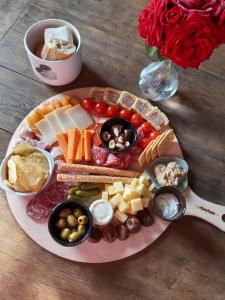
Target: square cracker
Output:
[
  {"x": 142, "y": 159},
  {"x": 165, "y": 142},
  {"x": 154, "y": 147}
]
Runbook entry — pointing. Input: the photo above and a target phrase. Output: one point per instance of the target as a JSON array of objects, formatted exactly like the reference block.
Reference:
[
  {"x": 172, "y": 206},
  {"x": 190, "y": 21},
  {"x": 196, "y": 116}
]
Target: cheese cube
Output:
[
  {"x": 118, "y": 187},
  {"x": 130, "y": 193},
  {"x": 107, "y": 187},
  {"x": 111, "y": 190},
  {"x": 134, "y": 182},
  {"x": 120, "y": 216},
  {"x": 131, "y": 212},
  {"x": 136, "y": 204},
  {"x": 143, "y": 179},
  {"x": 115, "y": 200},
  {"x": 145, "y": 201},
  {"x": 147, "y": 193},
  {"x": 105, "y": 196},
  {"x": 140, "y": 189},
  {"x": 123, "y": 206}
]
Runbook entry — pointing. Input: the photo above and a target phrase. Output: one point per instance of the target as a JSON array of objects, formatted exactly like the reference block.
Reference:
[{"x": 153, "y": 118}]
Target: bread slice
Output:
[
  {"x": 111, "y": 95},
  {"x": 142, "y": 107},
  {"x": 165, "y": 142},
  {"x": 126, "y": 99},
  {"x": 97, "y": 94},
  {"x": 157, "y": 118}
]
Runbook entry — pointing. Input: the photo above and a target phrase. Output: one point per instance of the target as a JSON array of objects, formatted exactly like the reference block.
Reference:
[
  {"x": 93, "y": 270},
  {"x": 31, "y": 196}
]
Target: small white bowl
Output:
[{"x": 3, "y": 174}]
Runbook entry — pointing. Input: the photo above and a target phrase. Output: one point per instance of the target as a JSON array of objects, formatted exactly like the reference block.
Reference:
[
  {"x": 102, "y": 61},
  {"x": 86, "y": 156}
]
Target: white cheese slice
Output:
[
  {"x": 80, "y": 117},
  {"x": 65, "y": 122},
  {"x": 46, "y": 131},
  {"x": 53, "y": 121}
]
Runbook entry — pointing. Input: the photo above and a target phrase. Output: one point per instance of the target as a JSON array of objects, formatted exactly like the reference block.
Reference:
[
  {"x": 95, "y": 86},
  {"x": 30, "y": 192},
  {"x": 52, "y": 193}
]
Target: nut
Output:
[
  {"x": 106, "y": 136},
  {"x": 120, "y": 146},
  {"x": 112, "y": 144},
  {"x": 120, "y": 139},
  {"x": 116, "y": 131},
  {"x": 127, "y": 143}
]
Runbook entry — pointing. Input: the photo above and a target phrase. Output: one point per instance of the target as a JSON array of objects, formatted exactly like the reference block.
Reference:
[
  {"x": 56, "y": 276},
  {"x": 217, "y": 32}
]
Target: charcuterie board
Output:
[{"x": 86, "y": 252}]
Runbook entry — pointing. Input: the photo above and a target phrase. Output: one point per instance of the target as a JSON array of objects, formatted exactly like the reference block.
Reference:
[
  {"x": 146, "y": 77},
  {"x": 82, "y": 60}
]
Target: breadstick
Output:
[
  {"x": 97, "y": 170},
  {"x": 91, "y": 178}
]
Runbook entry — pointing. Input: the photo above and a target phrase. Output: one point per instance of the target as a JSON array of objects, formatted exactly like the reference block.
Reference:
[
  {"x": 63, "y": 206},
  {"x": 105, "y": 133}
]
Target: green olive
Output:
[
  {"x": 83, "y": 220},
  {"x": 61, "y": 223},
  {"x": 65, "y": 233},
  {"x": 89, "y": 193},
  {"x": 74, "y": 236},
  {"x": 65, "y": 212},
  {"x": 77, "y": 212},
  {"x": 81, "y": 228},
  {"x": 71, "y": 220}
]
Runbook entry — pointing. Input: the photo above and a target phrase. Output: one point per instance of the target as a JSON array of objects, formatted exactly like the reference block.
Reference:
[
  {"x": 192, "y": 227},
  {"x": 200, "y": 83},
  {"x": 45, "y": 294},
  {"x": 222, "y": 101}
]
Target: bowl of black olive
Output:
[
  {"x": 118, "y": 135},
  {"x": 70, "y": 223}
]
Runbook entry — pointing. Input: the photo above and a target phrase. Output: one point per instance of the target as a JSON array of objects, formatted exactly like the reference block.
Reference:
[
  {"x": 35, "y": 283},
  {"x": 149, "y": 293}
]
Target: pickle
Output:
[
  {"x": 73, "y": 190},
  {"x": 76, "y": 197},
  {"x": 91, "y": 186},
  {"x": 89, "y": 193}
]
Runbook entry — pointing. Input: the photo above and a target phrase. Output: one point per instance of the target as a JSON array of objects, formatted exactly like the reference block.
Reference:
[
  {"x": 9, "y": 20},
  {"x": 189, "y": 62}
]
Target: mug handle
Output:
[{"x": 207, "y": 211}]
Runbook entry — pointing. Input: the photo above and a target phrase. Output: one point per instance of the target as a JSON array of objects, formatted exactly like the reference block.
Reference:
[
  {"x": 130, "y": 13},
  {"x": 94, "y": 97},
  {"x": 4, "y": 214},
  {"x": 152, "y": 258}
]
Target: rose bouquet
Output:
[{"x": 185, "y": 31}]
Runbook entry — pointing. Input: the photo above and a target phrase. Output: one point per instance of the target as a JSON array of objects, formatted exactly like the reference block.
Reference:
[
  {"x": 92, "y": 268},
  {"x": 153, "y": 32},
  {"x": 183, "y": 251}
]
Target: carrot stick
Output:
[
  {"x": 73, "y": 141},
  {"x": 62, "y": 139},
  {"x": 88, "y": 134},
  {"x": 79, "y": 153}
]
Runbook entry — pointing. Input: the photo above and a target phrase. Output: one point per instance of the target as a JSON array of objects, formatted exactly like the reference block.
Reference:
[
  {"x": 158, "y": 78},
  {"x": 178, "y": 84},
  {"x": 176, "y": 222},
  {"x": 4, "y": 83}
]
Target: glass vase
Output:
[{"x": 159, "y": 80}]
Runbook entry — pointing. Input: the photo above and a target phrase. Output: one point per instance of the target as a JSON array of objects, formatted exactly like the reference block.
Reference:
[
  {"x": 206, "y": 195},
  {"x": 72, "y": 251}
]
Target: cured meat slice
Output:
[
  {"x": 100, "y": 155},
  {"x": 41, "y": 205},
  {"x": 56, "y": 152}
]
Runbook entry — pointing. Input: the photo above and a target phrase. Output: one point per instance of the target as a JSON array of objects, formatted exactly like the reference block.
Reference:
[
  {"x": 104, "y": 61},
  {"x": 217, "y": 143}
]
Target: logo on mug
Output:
[{"x": 46, "y": 72}]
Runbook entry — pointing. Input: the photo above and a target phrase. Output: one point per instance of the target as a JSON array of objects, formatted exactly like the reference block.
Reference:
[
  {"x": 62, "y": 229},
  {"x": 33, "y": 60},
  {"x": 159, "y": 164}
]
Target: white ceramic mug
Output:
[{"x": 60, "y": 72}]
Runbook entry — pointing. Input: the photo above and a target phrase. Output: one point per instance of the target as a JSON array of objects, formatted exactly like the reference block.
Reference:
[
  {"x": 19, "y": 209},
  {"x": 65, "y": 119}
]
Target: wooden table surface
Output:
[{"x": 188, "y": 260}]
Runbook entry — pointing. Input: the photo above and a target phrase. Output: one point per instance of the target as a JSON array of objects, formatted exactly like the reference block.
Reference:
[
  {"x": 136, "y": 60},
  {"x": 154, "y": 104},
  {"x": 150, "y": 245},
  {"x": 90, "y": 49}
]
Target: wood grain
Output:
[{"x": 188, "y": 261}]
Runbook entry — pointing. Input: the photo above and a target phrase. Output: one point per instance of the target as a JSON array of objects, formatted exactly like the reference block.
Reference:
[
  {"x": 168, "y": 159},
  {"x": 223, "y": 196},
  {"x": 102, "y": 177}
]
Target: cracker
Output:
[
  {"x": 154, "y": 147},
  {"x": 126, "y": 99},
  {"x": 143, "y": 159},
  {"x": 165, "y": 142}
]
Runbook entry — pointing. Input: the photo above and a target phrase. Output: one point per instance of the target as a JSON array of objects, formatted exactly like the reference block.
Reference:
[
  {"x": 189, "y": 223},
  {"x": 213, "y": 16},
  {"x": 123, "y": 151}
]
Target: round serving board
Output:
[{"x": 86, "y": 252}]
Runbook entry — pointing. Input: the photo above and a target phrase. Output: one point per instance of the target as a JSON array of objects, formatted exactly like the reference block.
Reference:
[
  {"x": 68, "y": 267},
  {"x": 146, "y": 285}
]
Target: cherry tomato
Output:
[
  {"x": 101, "y": 108},
  {"x": 136, "y": 120},
  {"x": 125, "y": 114},
  {"x": 146, "y": 128},
  {"x": 143, "y": 143},
  {"x": 153, "y": 135},
  {"x": 112, "y": 111},
  {"x": 88, "y": 104}
]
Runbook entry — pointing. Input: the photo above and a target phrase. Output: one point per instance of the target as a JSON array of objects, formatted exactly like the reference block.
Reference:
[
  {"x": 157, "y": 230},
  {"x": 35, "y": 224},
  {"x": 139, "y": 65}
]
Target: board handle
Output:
[{"x": 208, "y": 211}]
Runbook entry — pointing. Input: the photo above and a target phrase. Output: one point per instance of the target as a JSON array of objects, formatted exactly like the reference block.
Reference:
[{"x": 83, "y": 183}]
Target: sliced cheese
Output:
[
  {"x": 80, "y": 118},
  {"x": 46, "y": 131},
  {"x": 65, "y": 122},
  {"x": 53, "y": 121}
]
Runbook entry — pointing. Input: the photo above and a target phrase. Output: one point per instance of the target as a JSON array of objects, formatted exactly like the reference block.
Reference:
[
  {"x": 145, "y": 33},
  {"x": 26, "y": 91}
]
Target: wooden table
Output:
[{"x": 188, "y": 260}]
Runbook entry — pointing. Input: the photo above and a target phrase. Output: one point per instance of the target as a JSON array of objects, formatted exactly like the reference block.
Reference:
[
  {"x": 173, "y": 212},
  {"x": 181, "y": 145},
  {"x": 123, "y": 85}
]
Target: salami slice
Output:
[
  {"x": 100, "y": 155},
  {"x": 41, "y": 205}
]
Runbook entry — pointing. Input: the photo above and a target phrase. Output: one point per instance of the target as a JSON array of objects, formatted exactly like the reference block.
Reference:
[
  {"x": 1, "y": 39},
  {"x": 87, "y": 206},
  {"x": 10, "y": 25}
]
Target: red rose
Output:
[
  {"x": 221, "y": 24},
  {"x": 154, "y": 19},
  {"x": 208, "y": 7},
  {"x": 192, "y": 41}
]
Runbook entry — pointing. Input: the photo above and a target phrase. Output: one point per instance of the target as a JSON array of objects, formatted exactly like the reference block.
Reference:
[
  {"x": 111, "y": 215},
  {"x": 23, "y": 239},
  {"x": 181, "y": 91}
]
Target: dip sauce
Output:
[
  {"x": 102, "y": 212},
  {"x": 167, "y": 205}
]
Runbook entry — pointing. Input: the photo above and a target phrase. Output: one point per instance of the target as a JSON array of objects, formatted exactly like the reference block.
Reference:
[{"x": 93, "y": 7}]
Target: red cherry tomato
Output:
[
  {"x": 143, "y": 143},
  {"x": 136, "y": 120},
  {"x": 112, "y": 111},
  {"x": 146, "y": 128},
  {"x": 88, "y": 104},
  {"x": 125, "y": 114},
  {"x": 101, "y": 108},
  {"x": 153, "y": 135}
]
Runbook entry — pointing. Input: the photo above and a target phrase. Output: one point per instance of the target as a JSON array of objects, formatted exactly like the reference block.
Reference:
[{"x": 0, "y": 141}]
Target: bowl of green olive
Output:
[{"x": 70, "y": 223}]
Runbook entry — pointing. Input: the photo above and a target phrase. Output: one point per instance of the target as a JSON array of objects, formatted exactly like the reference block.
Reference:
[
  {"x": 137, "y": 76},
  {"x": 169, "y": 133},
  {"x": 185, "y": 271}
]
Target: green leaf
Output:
[{"x": 154, "y": 51}]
